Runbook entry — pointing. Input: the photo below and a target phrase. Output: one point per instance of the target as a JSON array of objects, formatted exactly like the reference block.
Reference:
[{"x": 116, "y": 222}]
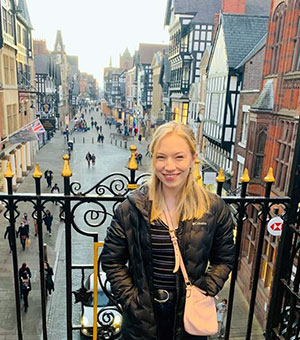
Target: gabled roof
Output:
[
  {"x": 23, "y": 12},
  {"x": 242, "y": 33},
  {"x": 254, "y": 50},
  {"x": 147, "y": 51},
  {"x": 265, "y": 101},
  {"x": 204, "y": 10},
  {"x": 42, "y": 64},
  {"x": 126, "y": 53},
  {"x": 59, "y": 42}
]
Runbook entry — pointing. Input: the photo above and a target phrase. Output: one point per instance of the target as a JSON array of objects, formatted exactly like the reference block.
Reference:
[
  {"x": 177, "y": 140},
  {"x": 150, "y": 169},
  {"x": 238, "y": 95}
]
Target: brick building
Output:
[{"x": 273, "y": 125}]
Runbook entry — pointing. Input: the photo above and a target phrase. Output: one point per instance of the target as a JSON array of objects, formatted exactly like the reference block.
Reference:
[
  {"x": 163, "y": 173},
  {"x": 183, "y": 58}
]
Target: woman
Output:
[
  {"x": 24, "y": 234},
  {"x": 48, "y": 218},
  {"x": 48, "y": 278},
  {"x": 138, "y": 255}
]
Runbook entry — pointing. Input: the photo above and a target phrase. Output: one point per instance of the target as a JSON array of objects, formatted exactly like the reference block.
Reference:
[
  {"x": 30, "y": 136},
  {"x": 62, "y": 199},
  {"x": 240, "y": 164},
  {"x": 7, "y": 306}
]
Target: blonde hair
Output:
[{"x": 193, "y": 200}]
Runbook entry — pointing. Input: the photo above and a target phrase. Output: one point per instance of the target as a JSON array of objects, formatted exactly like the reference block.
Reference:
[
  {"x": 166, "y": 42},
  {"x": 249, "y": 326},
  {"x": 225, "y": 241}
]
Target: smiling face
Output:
[{"x": 173, "y": 161}]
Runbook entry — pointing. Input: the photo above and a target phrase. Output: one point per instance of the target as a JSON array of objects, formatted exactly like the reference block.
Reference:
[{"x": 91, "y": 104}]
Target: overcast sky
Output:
[{"x": 94, "y": 30}]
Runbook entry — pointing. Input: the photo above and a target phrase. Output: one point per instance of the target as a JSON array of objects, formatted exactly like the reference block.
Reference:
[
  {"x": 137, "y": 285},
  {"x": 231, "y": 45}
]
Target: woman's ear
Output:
[{"x": 195, "y": 156}]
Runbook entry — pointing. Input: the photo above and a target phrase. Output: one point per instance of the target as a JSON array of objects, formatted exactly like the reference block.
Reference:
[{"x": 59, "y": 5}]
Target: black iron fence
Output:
[{"x": 284, "y": 308}]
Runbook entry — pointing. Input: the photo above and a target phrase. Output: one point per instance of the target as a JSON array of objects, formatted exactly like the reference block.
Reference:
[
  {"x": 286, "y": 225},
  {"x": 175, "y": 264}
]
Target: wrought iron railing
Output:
[{"x": 112, "y": 190}]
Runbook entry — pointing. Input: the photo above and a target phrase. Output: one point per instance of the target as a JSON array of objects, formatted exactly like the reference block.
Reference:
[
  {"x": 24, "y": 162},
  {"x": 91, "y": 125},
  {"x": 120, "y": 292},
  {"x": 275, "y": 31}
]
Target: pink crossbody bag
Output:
[{"x": 200, "y": 315}]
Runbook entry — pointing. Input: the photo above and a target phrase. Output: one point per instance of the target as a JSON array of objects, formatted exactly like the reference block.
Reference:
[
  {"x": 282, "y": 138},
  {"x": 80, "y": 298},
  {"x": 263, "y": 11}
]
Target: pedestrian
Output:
[
  {"x": 95, "y": 124},
  {"x": 9, "y": 234},
  {"x": 109, "y": 124},
  {"x": 48, "y": 278},
  {"x": 140, "y": 138},
  {"x": 138, "y": 255},
  {"x": 24, "y": 235},
  {"x": 25, "y": 220},
  {"x": 136, "y": 130},
  {"x": 48, "y": 218},
  {"x": 48, "y": 176},
  {"x": 92, "y": 123},
  {"x": 97, "y": 128},
  {"x": 101, "y": 137},
  {"x": 147, "y": 153},
  {"x": 140, "y": 156},
  {"x": 98, "y": 138},
  {"x": 25, "y": 284},
  {"x": 88, "y": 157},
  {"x": 221, "y": 317},
  {"x": 55, "y": 191},
  {"x": 93, "y": 158},
  {"x": 100, "y": 128}
]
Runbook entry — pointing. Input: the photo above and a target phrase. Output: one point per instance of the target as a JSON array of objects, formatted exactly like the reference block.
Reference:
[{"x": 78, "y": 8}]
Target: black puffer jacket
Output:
[{"x": 127, "y": 260}]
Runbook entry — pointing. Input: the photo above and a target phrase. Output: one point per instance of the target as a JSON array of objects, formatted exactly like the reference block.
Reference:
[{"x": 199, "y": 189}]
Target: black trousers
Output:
[{"x": 165, "y": 313}]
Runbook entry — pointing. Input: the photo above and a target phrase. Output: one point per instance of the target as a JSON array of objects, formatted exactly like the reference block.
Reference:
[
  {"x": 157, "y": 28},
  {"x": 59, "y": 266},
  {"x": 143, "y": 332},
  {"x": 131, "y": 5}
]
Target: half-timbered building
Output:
[
  {"x": 236, "y": 36},
  {"x": 191, "y": 31}
]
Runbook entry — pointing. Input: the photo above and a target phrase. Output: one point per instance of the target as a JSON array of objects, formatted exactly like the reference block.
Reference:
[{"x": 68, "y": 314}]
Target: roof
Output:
[
  {"x": 147, "y": 51},
  {"x": 42, "y": 64},
  {"x": 204, "y": 10},
  {"x": 165, "y": 71},
  {"x": 59, "y": 42},
  {"x": 126, "y": 53},
  {"x": 258, "y": 7},
  {"x": 22, "y": 7},
  {"x": 242, "y": 33},
  {"x": 254, "y": 50},
  {"x": 265, "y": 101}
]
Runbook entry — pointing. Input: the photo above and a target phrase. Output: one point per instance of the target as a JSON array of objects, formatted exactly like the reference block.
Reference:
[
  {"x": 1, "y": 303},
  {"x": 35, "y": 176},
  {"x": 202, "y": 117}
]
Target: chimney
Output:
[{"x": 234, "y": 6}]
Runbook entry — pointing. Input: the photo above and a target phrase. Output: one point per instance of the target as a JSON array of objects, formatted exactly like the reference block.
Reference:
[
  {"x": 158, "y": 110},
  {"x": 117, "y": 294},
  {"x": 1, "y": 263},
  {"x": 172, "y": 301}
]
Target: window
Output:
[
  {"x": 4, "y": 12},
  {"x": 259, "y": 156},
  {"x": 245, "y": 128},
  {"x": 6, "y": 69},
  {"x": 251, "y": 230},
  {"x": 9, "y": 24},
  {"x": 19, "y": 34},
  {"x": 11, "y": 111},
  {"x": 278, "y": 19},
  {"x": 12, "y": 71},
  {"x": 284, "y": 151},
  {"x": 185, "y": 113},
  {"x": 296, "y": 56}
]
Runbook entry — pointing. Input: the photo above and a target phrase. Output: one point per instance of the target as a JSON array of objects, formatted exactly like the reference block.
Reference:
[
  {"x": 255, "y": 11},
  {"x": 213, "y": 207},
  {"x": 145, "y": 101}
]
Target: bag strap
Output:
[{"x": 178, "y": 257}]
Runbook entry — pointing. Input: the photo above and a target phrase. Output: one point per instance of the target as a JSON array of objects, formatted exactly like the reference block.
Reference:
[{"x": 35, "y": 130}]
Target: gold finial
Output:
[
  {"x": 245, "y": 177},
  {"x": 66, "y": 171},
  {"x": 37, "y": 171},
  {"x": 270, "y": 177},
  {"x": 8, "y": 172},
  {"x": 197, "y": 172},
  {"x": 221, "y": 176},
  {"x": 132, "y": 164}
]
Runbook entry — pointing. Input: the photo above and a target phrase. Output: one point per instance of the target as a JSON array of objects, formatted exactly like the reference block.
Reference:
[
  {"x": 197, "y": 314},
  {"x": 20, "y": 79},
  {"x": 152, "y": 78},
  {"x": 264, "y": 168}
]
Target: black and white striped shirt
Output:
[{"x": 163, "y": 257}]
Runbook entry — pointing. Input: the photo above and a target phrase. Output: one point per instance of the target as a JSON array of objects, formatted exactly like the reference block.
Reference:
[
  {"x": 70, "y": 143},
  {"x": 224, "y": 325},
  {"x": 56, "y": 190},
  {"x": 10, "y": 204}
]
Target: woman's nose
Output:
[{"x": 170, "y": 164}]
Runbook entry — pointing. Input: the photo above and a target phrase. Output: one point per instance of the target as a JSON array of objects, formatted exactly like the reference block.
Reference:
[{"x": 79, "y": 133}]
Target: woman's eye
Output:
[
  {"x": 179, "y": 157},
  {"x": 160, "y": 157}
]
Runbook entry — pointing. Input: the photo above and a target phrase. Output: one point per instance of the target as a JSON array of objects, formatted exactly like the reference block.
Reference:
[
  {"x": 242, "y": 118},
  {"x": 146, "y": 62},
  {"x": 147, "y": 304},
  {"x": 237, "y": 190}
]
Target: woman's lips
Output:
[{"x": 170, "y": 177}]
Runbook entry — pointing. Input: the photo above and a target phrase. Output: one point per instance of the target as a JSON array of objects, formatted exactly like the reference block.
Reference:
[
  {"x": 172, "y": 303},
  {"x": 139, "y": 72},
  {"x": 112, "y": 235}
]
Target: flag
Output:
[
  {"x": 37, "y": 127},
  {"x": 24, "y": 135}
]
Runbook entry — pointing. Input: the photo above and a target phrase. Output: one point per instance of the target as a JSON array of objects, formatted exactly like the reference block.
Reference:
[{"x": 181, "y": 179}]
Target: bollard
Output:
[
  {"x": 111, "y": 141},
  {"x": 45, "y": 252},
  {"x": 120, "y": 143},
  {"x": 92, "y": 140},
  {"x": 125, "y": 144},
  {"x": 74, "y": 140},
  {"x": 83, "y": 140},
  {"x": 116, "y": 142}
]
